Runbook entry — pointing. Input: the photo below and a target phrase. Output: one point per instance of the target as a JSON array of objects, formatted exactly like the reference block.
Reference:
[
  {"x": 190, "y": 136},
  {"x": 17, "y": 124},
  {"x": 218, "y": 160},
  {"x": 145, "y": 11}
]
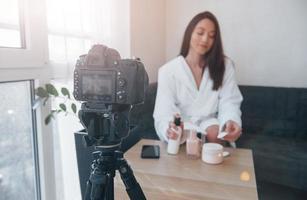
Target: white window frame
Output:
[
  {"x": 32, "y": 63},
  {"x": 35, "y": 51},
  {"x": 20, "y": 27}
]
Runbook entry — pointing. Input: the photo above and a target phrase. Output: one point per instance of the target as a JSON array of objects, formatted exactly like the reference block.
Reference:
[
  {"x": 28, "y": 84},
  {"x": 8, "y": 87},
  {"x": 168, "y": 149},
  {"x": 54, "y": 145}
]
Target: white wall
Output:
[
  {"x": 148, "y": 34},
  {"x": 266, "y": 38}
]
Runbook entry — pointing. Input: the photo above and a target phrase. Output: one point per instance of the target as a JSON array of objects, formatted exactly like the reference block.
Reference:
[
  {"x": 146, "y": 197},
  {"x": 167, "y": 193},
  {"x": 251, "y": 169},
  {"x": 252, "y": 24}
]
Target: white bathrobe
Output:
[{"x": 177, "y": 93}]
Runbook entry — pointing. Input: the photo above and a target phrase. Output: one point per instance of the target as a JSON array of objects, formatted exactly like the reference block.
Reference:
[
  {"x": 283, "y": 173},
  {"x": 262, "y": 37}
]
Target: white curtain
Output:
[{"x": 75, "y": 25}]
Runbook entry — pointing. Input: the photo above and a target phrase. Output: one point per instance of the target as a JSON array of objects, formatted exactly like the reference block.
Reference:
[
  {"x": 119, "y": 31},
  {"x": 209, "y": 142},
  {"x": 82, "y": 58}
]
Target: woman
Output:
[{"x": 200, "y": 85}]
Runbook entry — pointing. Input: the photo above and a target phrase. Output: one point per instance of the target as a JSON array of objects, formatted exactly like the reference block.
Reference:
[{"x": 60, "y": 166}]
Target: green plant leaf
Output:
[
  {"x": 65, "y": 92},
  {"x": 41, "y": 92},
  {"x": 74, "y": 108},
  {"x": 48, "y": 118},
  {"x": 51, "y": 89},
  {"x": 63, "y": 106}
]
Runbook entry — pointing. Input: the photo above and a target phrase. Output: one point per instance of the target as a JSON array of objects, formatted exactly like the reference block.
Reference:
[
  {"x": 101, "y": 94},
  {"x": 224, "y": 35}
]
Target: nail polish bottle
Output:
[{"x": 193, "y": 145}]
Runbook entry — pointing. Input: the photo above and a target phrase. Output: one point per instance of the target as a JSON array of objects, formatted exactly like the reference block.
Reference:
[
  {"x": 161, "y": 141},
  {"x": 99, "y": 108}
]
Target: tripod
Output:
[
  {"x": 106, "y": 126},
  {"x": 100, "y": 185}
]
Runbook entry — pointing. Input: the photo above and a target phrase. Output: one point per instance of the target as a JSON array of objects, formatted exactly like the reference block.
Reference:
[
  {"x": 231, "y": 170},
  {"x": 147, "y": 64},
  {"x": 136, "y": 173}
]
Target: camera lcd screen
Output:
[{"x": 97, "y": 84}]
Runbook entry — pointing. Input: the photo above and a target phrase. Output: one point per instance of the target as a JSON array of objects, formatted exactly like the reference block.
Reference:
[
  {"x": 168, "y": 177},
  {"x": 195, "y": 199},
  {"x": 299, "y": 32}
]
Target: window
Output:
[
  {"x": 23, "y": 41},
  {"x": 19, "y": 177},
  {"x": 11, "y": 24},
  {"x": 74, "y": 25}
]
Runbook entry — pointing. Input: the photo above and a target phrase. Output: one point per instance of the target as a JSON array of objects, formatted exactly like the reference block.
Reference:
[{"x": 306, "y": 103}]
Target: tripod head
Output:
[{"x": 106, "y": 124}]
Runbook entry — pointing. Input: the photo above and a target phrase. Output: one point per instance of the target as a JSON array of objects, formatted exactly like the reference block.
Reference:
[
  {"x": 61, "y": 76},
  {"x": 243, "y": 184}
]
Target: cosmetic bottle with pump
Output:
[{"x": 173, "y": 144}]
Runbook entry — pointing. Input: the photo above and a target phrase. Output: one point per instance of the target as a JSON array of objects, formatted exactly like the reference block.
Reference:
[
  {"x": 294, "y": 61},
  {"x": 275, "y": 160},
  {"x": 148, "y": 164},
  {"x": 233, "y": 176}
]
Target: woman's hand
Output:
[
  {"x": 234, "y": 131},
  {"x": 171, "y": 134}
]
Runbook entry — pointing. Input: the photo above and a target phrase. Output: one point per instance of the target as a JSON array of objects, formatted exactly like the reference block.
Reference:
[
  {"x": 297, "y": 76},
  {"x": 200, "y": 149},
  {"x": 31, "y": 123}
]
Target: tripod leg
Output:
[
  {"x": 97, "y": 184},
  {"x": 88, "y": 190},
  {"x": 133, "y": 188},
  {"x": 109, "y": 193}
]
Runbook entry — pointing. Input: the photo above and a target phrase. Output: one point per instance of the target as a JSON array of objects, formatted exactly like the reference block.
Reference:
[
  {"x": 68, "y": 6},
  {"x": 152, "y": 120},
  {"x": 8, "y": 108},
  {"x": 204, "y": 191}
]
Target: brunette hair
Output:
[{"x": 214, "y": 58}]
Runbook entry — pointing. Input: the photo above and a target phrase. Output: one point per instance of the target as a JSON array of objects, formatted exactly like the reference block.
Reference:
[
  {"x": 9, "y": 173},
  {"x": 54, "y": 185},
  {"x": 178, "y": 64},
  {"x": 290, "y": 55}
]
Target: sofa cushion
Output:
[{"x": 275, "y": 111}]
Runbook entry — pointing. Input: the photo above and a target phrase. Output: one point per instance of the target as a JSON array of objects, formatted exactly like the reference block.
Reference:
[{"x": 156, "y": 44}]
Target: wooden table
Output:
[{"x": 180, "y": 178}]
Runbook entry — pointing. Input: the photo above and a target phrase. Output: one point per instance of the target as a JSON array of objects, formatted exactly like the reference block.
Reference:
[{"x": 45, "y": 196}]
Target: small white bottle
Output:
[{"x": 173, "y": 145}]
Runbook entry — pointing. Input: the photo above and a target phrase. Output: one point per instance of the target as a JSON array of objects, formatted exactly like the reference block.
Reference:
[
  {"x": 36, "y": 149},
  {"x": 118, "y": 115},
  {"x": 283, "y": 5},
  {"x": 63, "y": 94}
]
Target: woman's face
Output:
[{"x": 202, "y": 37}]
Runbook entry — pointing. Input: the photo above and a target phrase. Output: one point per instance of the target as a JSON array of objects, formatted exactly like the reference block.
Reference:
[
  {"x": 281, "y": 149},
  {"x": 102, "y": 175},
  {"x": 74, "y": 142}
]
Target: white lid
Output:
[{"x": 212, "y": 147}]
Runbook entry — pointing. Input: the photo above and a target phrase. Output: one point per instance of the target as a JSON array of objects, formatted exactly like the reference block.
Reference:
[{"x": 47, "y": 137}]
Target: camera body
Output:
[
  {"x": 102, "y": 77},
  {"x": 108, "y": 86}
]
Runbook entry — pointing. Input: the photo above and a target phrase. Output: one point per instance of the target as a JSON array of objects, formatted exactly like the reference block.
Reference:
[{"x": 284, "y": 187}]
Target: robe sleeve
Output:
[
  {"x": 230, "y": 98},
  {"x": 165, "y": 105}
]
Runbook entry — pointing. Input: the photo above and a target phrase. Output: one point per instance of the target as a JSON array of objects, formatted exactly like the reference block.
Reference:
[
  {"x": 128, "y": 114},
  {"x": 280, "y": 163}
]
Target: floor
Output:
[{"x": 269, "y": 191}]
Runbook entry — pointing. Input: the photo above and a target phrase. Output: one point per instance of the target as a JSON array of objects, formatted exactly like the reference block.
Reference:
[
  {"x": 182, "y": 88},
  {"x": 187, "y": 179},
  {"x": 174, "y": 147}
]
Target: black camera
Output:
[
  {"x": 108, "y": 86},
  {"x": 102, "y": 77}
]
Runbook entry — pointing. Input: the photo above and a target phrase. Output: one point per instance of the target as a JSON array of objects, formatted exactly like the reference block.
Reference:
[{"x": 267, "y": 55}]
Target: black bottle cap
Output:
[{"x": 177, "y": 121}]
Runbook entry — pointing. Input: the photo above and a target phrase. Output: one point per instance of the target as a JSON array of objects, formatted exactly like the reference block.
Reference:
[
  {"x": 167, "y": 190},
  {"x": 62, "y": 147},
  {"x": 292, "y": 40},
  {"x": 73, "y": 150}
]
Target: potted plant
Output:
[{"x": 64, "y": 101}]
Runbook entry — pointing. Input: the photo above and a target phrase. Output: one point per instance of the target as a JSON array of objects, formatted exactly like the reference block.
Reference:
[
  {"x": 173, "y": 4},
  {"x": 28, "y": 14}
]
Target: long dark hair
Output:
[{"x": 214, "y": 58}]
